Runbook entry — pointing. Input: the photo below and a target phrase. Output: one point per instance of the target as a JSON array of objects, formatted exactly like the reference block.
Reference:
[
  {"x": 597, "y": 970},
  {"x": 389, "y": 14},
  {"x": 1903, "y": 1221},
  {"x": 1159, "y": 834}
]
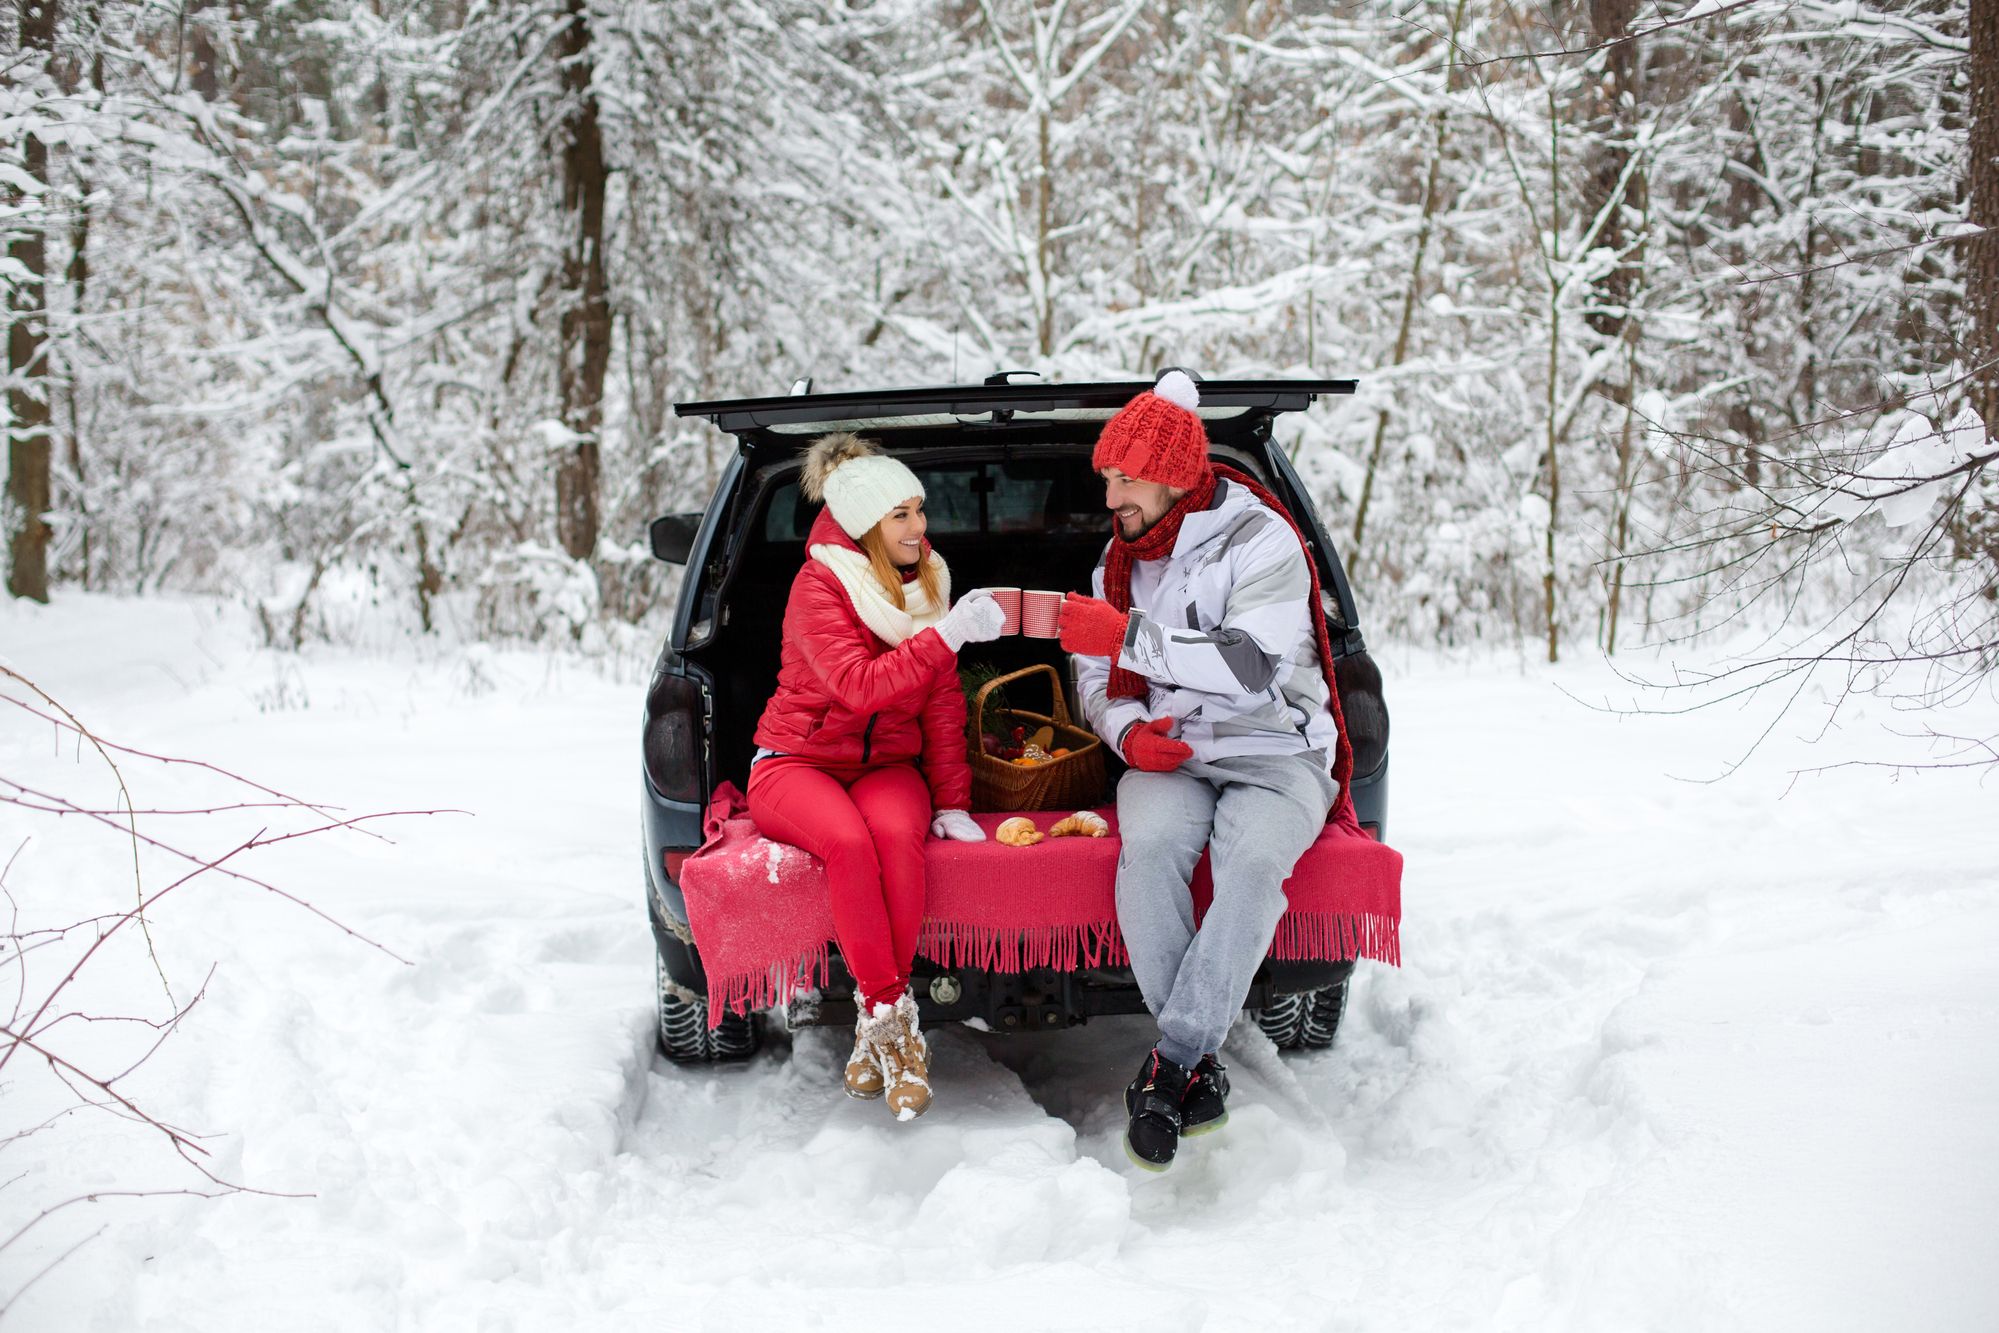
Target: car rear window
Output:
[{"x": 1024, "y": 496}]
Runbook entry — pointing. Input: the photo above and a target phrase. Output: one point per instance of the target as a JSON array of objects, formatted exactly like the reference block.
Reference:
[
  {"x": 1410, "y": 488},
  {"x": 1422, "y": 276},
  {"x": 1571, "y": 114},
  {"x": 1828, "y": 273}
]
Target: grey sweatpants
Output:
[{"x": 1260, "y": 813}]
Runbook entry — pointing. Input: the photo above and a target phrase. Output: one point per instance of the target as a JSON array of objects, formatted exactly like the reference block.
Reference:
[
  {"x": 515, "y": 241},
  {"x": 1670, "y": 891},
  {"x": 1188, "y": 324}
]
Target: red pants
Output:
[{"x": 868, "y": 825}]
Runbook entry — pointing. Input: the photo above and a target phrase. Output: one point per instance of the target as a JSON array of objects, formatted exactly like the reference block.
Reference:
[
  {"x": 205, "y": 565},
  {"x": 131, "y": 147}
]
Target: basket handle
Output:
[{"x": 1059, "y": 711}]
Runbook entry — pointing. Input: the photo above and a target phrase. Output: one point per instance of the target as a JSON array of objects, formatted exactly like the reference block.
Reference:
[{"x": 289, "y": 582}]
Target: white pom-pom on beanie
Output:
[
  {"x": 862, "y": 491},
  {"x": 1177, "y": 388}
]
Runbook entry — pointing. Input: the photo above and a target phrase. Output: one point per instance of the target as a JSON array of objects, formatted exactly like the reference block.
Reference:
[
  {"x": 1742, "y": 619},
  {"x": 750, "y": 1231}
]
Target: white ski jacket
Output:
[{"x": 1221, "y": 629}]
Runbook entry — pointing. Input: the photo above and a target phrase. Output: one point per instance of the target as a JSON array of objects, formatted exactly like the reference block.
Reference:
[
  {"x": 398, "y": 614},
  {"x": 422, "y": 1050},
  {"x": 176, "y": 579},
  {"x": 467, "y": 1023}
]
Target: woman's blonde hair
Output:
[{"x": 890, "y": 577}]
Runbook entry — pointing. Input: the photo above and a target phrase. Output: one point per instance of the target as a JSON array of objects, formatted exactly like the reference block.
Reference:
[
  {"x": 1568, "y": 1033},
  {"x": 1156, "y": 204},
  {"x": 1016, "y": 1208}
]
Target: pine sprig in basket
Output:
[{"x": 972, "y": 679}]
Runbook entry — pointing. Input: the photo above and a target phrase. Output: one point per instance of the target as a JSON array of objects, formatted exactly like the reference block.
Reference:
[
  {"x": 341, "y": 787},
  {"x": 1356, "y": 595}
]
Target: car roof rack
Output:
[{"x": 875, "y": 408}]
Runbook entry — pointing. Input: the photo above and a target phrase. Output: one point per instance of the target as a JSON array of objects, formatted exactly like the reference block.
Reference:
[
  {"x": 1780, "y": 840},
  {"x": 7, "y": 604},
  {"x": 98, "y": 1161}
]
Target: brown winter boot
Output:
[
  {"x": 864, "y": 1071},
  {"x": 905, "y": 1057}
]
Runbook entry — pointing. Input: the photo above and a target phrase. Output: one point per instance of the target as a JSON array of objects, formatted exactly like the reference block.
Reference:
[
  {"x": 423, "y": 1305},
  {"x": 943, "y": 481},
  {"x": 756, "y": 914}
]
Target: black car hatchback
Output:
[{"x": 1011, "y": 495}]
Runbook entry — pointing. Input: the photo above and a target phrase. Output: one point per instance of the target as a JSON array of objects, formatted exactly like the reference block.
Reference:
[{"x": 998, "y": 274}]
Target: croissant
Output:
[
  {"x": 1082, "y": 824},
  {"x": 1018, "y": 832}
]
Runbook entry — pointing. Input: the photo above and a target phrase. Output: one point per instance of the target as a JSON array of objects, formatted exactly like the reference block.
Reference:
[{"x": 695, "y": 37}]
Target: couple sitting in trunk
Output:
[{"x": 1202, "y": 659}]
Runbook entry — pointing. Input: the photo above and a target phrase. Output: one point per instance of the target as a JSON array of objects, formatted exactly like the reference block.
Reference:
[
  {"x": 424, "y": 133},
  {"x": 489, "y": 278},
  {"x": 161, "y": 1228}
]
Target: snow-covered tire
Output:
[
  {"x": 684, "y": 1035},
  {"x": 1305, "y": 1021}
]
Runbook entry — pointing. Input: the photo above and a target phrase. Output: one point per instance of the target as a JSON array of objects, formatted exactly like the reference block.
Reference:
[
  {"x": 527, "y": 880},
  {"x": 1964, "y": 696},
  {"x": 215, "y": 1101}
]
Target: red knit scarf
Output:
[{"x": 1157, "y": 542}]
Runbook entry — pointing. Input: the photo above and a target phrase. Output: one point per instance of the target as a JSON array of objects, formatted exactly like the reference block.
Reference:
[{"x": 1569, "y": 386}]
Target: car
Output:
[{"x": 1012, "y": 500}]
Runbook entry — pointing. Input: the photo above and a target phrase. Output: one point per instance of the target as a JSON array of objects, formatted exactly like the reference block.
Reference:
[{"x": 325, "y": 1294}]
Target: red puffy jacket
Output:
[{"x": 846, "y": 697}]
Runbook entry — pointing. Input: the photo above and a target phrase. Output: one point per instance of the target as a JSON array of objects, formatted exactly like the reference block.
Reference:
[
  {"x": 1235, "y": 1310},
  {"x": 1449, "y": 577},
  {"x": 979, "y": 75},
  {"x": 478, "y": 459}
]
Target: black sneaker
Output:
[
  {"x": 1153, "y": 1102},
  {"x": 1205, "y": 1108}
]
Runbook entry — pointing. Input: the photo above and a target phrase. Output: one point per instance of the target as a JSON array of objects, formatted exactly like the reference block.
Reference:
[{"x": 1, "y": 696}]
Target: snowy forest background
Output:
[
  {"x": 354, "y": 327},
  {"x": 372, "y": 312}
]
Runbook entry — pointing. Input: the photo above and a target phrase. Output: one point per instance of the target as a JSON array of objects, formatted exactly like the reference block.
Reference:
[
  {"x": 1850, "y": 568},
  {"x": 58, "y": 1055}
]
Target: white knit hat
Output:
[{"x": 858, "y": 482}]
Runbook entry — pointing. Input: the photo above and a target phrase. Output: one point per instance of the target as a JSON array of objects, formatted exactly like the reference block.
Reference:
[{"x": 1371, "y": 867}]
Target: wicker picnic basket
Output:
[{"x": 1073, "y": 781}]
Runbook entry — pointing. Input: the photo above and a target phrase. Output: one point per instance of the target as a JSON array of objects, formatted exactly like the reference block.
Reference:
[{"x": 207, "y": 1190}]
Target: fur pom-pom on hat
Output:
[
  {"x": 1157, "y": 436},
  {"x": 826, "y": 453},
  {"x": 857, "y": 481}
]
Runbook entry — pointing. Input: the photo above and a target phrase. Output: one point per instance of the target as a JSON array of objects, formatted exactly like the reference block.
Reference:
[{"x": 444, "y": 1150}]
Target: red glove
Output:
[
  {"x": 1147, "y": 746},
  {"x": 1091, "y": 626}
]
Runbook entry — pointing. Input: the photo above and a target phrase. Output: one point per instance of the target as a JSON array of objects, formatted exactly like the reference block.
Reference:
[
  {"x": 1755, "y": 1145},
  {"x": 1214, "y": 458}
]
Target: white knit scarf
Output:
[{"x": 871, "y": 601}]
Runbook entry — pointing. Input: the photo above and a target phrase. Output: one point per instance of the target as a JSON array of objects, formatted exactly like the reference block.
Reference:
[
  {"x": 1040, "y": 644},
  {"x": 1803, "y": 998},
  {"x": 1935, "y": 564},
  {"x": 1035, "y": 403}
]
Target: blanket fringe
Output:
[
  {"x": 744, "y": 992},
  {"x": 1011, "y": 949},
  {"x": 1339, "y": 935},
  {"x": 1325, "y": 935}
]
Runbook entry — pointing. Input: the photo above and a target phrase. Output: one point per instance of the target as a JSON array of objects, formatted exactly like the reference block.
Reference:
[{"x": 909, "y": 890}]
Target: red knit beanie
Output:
[{"x": 1157, "y": 437}]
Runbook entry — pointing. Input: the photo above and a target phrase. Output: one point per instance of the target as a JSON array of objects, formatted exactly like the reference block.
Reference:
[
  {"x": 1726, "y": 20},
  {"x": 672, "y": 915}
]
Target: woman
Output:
[{"x": 861, "y": 749}]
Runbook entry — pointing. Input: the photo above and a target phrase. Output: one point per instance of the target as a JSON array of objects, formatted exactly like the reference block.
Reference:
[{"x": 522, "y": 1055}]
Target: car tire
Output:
[
  {"x": 684, "y": 1035},
  {"x": 1306, "y": 1020}
]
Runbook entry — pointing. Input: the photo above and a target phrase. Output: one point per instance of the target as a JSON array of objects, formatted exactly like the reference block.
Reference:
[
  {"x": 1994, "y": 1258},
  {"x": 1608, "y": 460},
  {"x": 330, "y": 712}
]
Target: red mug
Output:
[
  {"x": 1009, "y": 605},
  {"x": 1039, "y": 612}
]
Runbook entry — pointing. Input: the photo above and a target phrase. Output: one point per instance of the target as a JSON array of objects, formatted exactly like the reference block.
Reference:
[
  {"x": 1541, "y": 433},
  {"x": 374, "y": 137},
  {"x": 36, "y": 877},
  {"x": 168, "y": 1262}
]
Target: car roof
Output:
[{"x": 993, "y": 401}]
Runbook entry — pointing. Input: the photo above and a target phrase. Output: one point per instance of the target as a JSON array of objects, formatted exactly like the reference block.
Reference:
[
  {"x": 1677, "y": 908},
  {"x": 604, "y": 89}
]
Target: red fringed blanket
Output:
[{"x": 760, "y": 917}]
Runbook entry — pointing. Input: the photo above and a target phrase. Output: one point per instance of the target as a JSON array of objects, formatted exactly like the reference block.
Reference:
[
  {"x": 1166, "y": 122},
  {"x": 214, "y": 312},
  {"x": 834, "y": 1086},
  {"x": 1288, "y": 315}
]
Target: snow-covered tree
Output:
[{"x": 348, "y": 309}]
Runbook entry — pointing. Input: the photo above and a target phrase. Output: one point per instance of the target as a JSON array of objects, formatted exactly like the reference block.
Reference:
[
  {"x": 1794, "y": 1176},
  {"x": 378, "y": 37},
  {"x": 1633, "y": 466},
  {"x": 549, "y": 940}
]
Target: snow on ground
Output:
[{"x": 1665, "y": 1053}]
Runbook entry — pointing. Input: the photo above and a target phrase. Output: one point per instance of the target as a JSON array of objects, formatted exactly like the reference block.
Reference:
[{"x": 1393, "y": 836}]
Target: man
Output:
[{"x": 1201, "y": 658}]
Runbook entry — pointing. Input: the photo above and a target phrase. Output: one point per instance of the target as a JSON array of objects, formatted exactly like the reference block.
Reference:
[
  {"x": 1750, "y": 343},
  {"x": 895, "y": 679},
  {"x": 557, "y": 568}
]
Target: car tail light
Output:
[
  {"x": 673, "y": 740},
  {"x": 675, "y": 860},
  {"x": 1372, "y": 831}
]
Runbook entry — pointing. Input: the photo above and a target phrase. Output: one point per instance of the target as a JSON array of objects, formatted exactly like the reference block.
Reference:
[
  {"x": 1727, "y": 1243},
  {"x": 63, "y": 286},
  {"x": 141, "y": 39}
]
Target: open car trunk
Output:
[
  {"x": 1026, "y": 511},
  {"x": 1014, "y": 937}
]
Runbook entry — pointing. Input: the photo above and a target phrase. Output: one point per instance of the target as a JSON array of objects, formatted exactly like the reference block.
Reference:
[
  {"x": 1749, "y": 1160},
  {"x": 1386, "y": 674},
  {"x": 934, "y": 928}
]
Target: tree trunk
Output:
[
  {"x": 27, "y": 341},
  {"x": 202, "y": 75},
  {"x": 1739, "y": 203},
  {"x": 1974, "y": 519},
  {"x": 1551, "y": 577},
  {"x": 1806, "y": 395},
  {"x": 1441, "y": 135},
  {"x": 1627, "y": 490},
  {"x": 1616, "y": 189},
  {"x": 586, "y": 308},
  {"x": 1981, "y": 252},
  {"x": 81, "y": 163},
  {"x": 1612, "y": 124},
  {"x": 1044, "y": 315}
]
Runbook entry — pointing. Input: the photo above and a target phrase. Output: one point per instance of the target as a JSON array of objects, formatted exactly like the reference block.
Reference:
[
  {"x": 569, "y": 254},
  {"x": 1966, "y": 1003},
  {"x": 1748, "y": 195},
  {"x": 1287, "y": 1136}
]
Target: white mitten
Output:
[
  {"x": 976, "y": 618},
  {"x": 957, "y": 826}
]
